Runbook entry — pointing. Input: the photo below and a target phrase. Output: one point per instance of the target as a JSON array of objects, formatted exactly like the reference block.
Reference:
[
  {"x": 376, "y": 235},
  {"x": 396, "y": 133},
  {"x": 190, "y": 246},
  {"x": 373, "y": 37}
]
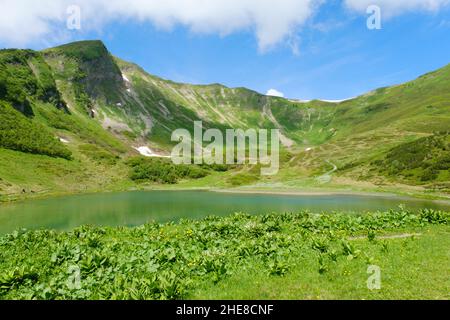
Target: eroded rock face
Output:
[{"x": 90, "y": 65}]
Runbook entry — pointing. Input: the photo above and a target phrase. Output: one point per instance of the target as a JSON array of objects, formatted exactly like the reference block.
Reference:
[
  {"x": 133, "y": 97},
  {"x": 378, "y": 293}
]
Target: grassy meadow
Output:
[{"x": 277, "y": 256}]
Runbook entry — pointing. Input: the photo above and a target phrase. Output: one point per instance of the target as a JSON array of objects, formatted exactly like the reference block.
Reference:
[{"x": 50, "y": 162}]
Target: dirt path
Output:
[
  {"x": 394, "y": 236},
  {"x": 325, "y": 178}
]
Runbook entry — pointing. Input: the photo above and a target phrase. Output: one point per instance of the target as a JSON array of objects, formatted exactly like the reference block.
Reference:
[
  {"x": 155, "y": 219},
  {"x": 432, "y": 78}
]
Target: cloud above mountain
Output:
[
  {"x": 274, "y": 93},
  {"x": 23, "y": 21}
]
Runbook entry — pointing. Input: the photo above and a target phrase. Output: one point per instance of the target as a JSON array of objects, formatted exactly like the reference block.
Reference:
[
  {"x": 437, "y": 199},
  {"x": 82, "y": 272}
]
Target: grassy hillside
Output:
[
  {"x": 421, "y": 161},
  {"x": 103, "y": 108},
  {"x": 21, "y": 134}
]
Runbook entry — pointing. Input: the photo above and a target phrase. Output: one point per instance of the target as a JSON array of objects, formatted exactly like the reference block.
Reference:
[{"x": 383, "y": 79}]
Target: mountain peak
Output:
[
  {"x": 83, "y": 50},
  {"x": 89, "y": 64}
]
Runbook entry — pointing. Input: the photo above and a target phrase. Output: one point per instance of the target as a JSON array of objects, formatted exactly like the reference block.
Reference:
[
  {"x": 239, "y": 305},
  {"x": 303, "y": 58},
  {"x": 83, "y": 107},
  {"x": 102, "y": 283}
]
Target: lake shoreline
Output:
[
  {"x": 437, "y": 198},
  {"x": 138, "y": 207},
  {"x": 308, "y": 192},
  {"x": 315, "y": 192}
]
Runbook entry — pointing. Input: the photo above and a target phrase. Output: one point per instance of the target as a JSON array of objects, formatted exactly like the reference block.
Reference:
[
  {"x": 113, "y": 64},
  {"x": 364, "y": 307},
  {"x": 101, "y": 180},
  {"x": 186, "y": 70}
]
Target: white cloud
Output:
[
  {"x": 294, "y": 44},
  {"x": 391, "y": 8},
  {"x": 275, "y": 93},
  {"x": 25, "y": 21}
]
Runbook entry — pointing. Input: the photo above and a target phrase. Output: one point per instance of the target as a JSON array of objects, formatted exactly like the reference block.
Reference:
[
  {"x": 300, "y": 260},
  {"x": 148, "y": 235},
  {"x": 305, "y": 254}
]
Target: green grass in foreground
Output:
[{"x": 278, "y": 256}]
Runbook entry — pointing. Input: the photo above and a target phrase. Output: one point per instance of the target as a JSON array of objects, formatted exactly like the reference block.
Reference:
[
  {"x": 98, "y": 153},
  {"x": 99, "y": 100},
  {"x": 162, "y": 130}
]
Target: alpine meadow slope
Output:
[{"x": 73, "y": 116}]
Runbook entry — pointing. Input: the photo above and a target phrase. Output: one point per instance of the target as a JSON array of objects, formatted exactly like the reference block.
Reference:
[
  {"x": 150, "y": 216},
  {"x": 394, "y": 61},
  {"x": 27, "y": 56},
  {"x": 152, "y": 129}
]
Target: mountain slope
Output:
[
  {"x": 225, "y": 107},
  {"x": 93, "y": 110}
]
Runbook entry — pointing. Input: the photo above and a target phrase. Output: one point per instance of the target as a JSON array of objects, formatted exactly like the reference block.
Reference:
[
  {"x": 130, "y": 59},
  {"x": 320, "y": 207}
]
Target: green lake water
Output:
[{"x": 138, "y": 207}]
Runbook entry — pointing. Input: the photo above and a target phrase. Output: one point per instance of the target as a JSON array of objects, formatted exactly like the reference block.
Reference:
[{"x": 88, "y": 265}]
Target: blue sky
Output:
[{"x": 330, "y": 54}]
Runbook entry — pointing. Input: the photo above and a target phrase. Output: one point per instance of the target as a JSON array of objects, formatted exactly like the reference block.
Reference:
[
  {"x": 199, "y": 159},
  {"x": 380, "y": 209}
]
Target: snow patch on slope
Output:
[{"x": 147, "y": 152}]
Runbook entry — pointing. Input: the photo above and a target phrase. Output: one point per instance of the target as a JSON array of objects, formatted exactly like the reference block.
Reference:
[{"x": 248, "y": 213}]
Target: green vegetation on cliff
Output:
[
  {"x": 420, "y": 161},
  {"x": 24, "y": 78},
  {"x": 22, "y": 134}
]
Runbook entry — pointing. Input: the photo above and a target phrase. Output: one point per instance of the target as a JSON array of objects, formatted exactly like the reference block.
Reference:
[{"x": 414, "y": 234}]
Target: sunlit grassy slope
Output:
[{"x": 101, "y": 107}]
